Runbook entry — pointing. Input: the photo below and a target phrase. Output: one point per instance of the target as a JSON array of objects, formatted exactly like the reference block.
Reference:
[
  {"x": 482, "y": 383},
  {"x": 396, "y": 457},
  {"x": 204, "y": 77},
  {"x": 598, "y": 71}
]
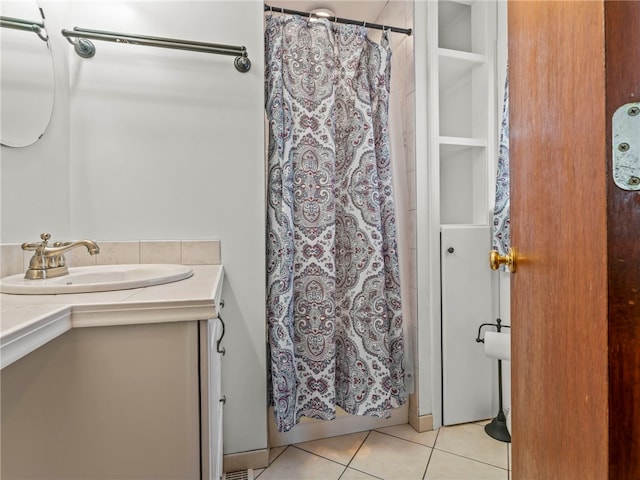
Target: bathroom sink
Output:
[{"x": 97, "y": 278}]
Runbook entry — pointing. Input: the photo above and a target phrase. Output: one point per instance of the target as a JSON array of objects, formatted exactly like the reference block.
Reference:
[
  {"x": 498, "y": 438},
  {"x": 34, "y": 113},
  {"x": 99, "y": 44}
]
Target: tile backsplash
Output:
[{"x": 14, "y": 260}]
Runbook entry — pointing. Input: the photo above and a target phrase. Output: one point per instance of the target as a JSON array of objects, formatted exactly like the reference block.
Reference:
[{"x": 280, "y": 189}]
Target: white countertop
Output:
[{"x": 30, "y": 321}]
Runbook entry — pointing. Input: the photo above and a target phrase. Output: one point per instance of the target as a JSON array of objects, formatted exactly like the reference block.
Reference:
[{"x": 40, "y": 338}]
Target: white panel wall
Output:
[{"x": 161, "y": 144}]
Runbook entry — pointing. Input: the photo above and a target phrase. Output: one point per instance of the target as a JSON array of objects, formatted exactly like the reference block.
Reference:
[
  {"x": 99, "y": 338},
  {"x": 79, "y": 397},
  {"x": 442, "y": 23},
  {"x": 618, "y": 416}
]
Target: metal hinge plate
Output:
[{"x": 626, "y": 146}]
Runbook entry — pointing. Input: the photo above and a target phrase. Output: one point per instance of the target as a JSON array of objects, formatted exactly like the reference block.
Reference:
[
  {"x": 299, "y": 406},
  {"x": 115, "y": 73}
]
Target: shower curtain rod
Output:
[
  {"x": 84, "y": 47},
  {"x": 377, "y": 26}
]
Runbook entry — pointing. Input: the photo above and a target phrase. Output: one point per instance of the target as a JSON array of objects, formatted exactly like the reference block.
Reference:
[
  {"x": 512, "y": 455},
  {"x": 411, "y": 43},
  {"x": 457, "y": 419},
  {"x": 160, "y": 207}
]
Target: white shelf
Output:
[
  {"x": 455, "y": 67},
  {"x": 462, "y": 141},
  {"x": 462, "y": 55}
]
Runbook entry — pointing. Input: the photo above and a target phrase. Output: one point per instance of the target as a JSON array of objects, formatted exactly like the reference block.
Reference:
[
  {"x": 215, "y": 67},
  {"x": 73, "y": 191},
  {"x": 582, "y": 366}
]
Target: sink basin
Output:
[{"x": 97, "y": 278}]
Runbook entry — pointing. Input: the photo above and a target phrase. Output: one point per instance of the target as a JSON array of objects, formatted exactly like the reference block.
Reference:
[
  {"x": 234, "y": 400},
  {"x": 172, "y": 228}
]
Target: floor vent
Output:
[{"x": 239, "y": 475}]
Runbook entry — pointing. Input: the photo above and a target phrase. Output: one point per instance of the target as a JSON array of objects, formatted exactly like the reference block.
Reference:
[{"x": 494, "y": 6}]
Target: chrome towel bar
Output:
[
  {"x": 85, "y": 48},
  {"x": 26, "y": 25}
]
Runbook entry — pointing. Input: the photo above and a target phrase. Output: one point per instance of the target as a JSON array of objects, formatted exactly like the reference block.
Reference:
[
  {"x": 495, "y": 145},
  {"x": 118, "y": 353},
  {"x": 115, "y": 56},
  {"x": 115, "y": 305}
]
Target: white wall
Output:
[
  {"x": 161, "y": 144},
  {"x": 35, "y": 179}
]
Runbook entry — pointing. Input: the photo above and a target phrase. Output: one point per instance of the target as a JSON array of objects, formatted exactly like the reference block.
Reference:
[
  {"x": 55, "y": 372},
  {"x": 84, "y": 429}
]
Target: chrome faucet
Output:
[{"x": 49, "y": 262}]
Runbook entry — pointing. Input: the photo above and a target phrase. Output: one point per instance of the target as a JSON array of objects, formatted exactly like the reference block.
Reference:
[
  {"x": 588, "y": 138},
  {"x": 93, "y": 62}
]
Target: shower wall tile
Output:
[
  {"x": 410, "y": 98},
  {"x": 118, "y": 253},
  {"x": 161, "y": 251},
  {"x": 201, "y": 252},
  {"x": 396, "y": 16},
  {"x": 413, "y": 308},
  {"x": 401, "y": 13},
  {"x": 410, "y": 147},
  {"x": 412, "y": 272},
  {"x": 416, "y": 389},
  {"x": 412, "y": 193},
  {"x": 413, "y": 228},
  {"x": 412, "y": 182},
  {"x": 411, "y": 69}
]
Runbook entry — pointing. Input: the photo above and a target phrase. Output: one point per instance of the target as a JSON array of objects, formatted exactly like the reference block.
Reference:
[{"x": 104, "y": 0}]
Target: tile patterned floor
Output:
[{"x": 394, "y": 453}]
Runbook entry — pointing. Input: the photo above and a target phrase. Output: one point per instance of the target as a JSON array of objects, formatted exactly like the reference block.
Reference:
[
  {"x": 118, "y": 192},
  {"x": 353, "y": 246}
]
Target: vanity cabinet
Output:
[{"x": 115, "y": 402}]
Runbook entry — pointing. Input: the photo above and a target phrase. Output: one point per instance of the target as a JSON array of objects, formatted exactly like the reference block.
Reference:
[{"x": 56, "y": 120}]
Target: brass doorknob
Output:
[{"x": 495, "y": 260}]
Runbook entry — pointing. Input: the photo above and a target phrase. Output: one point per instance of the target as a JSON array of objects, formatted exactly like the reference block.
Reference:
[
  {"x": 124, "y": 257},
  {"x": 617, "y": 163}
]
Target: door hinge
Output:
[{"x": 626, "y": 146}]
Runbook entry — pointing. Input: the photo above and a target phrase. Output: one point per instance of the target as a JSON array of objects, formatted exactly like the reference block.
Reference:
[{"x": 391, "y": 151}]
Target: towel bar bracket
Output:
[{"x": 84, "y": 48}]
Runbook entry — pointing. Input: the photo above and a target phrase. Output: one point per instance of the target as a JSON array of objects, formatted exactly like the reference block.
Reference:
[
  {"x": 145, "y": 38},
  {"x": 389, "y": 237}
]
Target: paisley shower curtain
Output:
[
  {"x": 501, "y": 214},
  {"x": 335, "y": 327}
]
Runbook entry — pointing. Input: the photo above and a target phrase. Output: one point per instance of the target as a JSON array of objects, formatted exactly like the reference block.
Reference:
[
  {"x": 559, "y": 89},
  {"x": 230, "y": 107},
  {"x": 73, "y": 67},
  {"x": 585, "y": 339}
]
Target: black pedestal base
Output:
[{"x": 497, "y": 428}]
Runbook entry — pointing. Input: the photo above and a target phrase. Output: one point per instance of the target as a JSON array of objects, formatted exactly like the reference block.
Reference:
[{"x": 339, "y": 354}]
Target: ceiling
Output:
[{"x": 365, "y": 10}]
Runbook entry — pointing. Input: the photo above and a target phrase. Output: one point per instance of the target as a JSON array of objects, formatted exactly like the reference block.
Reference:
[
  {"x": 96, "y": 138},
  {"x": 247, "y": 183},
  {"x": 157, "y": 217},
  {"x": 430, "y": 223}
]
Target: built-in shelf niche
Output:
[
  {"x": 463, "y": 185},
  {"x": 462, "y": 25},
  {"x": 462, "y": 80},
  {"x": 465, "y": 110},
  {"x": 454, "y": 22}
]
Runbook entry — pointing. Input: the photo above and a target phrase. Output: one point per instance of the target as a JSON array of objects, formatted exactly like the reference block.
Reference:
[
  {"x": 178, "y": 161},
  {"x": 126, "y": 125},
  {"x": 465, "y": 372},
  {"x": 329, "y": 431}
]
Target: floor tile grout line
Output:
[
  {"x": 271, "y": 461},
  {"x": 426, "y": 468},
  {"x": 348, "y": 466},
  {"x": 361, "y": 471},
  {"x": 470, "y": 458},
  {"x": 361, "y": 444},
  {"x": 320, "y": 456},
  {"x": 406, "y": 439},
  {"x": 278, "y": 456},
  {"x": 343, "y": 472},
  {"x": 305, "y": 451},
  {"x": 296, "y": 445},
  {"x": 317, "y": 455}
]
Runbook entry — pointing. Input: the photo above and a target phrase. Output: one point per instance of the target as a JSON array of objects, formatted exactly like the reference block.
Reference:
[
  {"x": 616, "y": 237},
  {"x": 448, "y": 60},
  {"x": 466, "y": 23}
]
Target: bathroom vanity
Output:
[{"x": 118, "y": 384}]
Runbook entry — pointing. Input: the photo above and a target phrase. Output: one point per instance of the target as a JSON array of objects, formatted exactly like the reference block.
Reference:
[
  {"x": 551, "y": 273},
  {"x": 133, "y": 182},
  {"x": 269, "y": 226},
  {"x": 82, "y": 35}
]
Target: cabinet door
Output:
[
  {"x": 118, "y": 402},
  {"x": 467, "y": 380},
  {"x": 215, "y": 400}
]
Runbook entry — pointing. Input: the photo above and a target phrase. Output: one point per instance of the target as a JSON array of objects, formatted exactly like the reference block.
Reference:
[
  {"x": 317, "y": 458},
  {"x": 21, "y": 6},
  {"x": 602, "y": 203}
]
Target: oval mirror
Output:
[{"x": 26, "y": 74}]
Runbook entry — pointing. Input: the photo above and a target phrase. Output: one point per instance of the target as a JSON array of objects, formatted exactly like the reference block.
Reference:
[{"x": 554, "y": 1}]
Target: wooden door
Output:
[
  {"x": 559, "y": 231},
  {"x": 622, "y": 34},
  {"x": 576, "y": 294}
]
